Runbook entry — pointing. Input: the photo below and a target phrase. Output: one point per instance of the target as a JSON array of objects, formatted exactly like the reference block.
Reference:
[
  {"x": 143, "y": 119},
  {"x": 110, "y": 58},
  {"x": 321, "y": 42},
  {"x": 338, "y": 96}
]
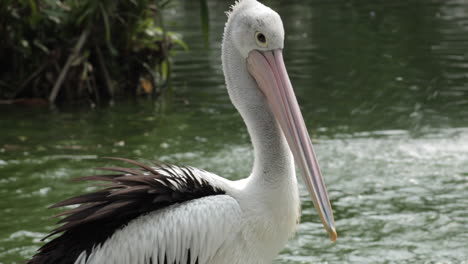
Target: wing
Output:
[
  {"x": 131, "y": 194},
  {"x": 191, "y": 232}
]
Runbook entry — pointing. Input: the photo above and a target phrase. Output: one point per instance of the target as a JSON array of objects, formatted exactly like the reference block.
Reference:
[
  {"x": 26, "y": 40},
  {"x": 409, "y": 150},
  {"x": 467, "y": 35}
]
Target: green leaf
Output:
[
  {"x": 41, "y": 46},
  {"x": 165, "y": 69},
  {"x": 178, "y": 40},
  {"x": 35, "y": 16},
  {"x": 163, "y": 4},
  {"x": 84, "y": 16}
]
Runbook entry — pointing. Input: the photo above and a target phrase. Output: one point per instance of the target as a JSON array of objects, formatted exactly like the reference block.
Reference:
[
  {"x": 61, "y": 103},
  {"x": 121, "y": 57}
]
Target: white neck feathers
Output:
[{"x": 273, "y": 159}]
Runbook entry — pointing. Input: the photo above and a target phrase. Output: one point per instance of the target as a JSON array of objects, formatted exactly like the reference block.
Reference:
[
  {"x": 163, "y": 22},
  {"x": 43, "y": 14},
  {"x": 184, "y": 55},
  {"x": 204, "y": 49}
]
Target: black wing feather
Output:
[{"x": 130, "y": 193}]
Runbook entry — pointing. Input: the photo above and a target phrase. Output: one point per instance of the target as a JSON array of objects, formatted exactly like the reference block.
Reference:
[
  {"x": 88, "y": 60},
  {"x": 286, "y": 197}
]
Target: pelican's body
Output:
[
  {"x": 168, "y": 214},
  {"x": 217, "y": 229}
]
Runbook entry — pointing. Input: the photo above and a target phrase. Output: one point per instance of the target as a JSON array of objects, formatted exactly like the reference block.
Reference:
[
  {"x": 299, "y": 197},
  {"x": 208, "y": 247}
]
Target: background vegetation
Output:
[{"x": 64, "y": 50}]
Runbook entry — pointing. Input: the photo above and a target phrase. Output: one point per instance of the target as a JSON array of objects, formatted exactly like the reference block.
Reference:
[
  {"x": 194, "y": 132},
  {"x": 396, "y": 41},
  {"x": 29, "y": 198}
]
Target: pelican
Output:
[{"x": 179, "y": 214}]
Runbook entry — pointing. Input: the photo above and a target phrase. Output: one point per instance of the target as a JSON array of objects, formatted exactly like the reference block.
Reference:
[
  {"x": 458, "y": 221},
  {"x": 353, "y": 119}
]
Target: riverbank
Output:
[{"x": 61, "y": 51}]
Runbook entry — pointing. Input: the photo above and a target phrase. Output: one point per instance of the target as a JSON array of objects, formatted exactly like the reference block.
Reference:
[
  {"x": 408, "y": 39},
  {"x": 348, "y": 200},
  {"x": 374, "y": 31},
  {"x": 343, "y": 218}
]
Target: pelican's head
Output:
[
  {"x": 254, "y": 68},
  {"x": 255, "y": 27}
]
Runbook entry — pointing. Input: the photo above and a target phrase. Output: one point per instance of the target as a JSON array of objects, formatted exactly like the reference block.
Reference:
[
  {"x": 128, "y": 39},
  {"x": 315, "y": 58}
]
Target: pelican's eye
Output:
[{"x": 261, "y": 39}]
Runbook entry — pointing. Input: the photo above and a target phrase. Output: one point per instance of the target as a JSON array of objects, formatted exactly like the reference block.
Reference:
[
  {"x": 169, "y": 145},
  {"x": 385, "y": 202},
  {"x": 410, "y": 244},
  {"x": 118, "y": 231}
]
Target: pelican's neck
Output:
[{"x": 273, "y": 161}]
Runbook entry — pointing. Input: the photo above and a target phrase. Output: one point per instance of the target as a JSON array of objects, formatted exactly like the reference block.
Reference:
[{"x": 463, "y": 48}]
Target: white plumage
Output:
[
  {"x": 184, "y": 215},
  {"x": 217, "y": 229}
]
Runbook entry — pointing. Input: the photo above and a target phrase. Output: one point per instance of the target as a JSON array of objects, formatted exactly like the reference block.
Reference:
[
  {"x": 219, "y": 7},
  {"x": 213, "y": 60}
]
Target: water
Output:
[{"x": 383, "y": 87}]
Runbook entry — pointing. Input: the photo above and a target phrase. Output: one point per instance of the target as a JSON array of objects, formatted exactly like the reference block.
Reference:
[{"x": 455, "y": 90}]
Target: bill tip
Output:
[{"x": 333, "y": 235}]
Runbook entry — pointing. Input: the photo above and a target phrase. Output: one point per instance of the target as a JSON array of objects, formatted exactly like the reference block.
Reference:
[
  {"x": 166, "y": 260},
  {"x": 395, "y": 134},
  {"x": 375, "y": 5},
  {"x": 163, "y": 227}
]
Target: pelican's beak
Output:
[{"x": 268, "y": 70}]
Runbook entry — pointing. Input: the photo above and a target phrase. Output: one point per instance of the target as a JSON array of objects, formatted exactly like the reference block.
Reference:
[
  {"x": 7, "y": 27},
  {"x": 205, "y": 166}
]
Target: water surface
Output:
[{"x": 383, "y": 87}]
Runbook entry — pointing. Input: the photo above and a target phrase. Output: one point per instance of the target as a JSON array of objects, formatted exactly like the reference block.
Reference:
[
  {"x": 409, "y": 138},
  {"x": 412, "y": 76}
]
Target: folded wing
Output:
[{"x": 161, "y": 214}]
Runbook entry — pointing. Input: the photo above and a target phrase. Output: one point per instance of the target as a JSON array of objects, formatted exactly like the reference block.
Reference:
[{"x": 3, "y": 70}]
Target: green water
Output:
[{"x": 383, "y": 87}]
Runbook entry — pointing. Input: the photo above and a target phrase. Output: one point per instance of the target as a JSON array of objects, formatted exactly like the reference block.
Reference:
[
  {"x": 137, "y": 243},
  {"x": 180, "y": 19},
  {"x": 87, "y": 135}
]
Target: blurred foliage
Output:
[
  {"x": 204, "y": 17},
  {"x": 93, "y": 49}
]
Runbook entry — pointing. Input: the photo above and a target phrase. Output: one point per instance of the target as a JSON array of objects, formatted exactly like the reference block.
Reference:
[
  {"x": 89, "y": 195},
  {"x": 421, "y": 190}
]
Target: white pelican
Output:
[{"x": 169, "y": 214}]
